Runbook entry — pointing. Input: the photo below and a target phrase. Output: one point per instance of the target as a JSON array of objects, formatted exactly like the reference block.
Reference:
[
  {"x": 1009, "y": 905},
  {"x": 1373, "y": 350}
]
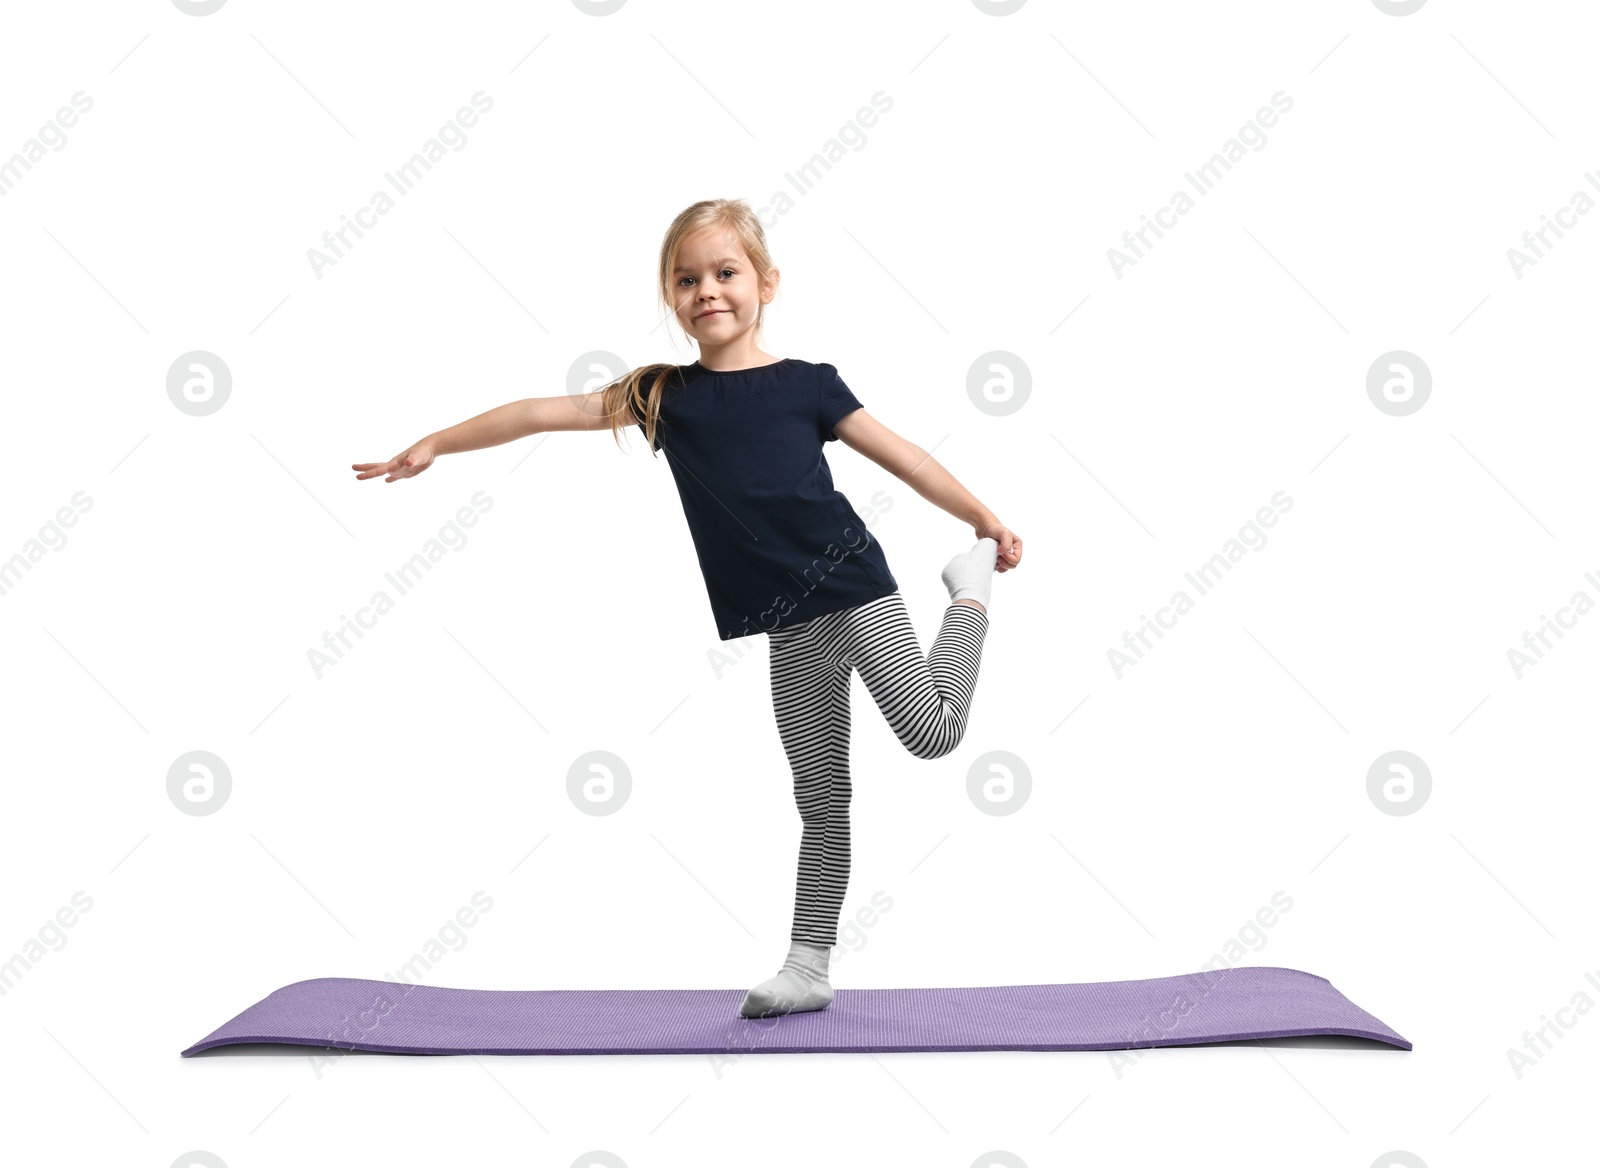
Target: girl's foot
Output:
[
  {"x": 801, "y": 985},
  {"x": 968, "y": 576}
]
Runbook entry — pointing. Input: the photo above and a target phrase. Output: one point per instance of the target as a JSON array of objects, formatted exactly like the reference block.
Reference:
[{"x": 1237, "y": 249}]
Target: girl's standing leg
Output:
[{"x": 811, "y": 703}]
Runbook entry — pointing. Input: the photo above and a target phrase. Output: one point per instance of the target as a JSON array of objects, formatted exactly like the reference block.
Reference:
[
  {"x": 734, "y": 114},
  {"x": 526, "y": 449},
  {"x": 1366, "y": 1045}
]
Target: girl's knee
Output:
[{"x": 936, "y": 748}]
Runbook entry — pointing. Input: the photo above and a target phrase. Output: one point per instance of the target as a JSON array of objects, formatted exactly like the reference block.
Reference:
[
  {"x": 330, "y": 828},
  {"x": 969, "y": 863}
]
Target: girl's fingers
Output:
[
  {"x": 399, "y": 467},
  {"x": 1012, "y": 556}
]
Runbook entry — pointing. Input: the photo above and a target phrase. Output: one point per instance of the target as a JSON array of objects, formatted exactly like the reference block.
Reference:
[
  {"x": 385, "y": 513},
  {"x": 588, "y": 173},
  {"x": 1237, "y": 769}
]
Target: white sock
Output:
[
  {"x": 968, "y": 576},
  {"x": 802, "y": 984}
]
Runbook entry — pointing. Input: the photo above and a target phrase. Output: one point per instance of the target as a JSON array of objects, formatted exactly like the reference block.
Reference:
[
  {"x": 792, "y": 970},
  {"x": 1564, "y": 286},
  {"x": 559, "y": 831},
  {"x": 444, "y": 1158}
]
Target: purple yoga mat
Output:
[{"x": 407, "y": 1018}]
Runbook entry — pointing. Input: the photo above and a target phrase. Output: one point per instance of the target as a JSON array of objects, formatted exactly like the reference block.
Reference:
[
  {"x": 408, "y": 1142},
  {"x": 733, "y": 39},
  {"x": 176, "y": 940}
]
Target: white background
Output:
[{"x": 1167, "y": 407}]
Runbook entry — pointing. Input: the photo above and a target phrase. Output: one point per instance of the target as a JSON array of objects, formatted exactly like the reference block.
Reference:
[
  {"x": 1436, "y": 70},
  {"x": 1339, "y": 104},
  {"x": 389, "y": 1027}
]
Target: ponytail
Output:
[{"x": 629, "y": 392}]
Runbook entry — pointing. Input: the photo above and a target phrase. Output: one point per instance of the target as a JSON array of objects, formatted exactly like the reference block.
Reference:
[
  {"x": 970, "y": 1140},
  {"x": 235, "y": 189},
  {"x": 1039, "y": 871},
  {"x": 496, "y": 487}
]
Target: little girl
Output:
[{"x": 782, "y": 552}]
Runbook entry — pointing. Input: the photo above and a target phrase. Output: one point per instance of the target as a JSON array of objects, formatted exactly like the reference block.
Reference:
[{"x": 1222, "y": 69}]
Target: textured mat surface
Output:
[{"x": 406, "y": 1018}]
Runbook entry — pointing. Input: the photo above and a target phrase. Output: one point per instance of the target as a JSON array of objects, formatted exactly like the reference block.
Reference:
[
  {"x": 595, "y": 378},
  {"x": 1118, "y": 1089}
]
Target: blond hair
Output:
[{"x": 629, "y": 391}]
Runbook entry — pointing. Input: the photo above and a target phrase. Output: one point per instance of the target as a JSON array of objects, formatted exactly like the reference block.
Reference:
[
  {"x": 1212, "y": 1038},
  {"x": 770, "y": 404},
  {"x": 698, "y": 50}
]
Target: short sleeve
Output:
[{"x": 834, "y": 401}]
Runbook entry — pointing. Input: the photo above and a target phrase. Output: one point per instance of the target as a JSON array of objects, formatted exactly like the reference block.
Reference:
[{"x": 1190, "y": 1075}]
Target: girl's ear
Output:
[{"x": 769, "y": 289}]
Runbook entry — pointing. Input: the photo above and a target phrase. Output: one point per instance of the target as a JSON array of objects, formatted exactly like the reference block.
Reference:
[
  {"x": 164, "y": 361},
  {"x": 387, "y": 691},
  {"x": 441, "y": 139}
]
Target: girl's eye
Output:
[{"x": 729, "y": 271}]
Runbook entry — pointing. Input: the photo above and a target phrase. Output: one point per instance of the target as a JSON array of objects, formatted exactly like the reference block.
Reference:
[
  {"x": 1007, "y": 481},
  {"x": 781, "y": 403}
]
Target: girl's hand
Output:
[
  {"x": 405, "y": 465},
  {"x": 1010, "y": 549}
]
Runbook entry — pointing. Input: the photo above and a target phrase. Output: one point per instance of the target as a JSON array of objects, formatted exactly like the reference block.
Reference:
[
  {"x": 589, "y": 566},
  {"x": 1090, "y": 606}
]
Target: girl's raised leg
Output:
[{"x": 925, "y": 699}]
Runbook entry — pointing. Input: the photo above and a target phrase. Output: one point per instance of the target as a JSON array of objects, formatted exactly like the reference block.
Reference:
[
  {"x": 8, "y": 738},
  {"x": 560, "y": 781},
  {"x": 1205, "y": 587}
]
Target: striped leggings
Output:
[{"x": 924, "y": 700}]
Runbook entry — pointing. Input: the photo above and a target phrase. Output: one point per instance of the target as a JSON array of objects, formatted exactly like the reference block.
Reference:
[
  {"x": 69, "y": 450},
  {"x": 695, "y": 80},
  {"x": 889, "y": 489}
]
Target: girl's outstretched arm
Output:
[
  {"x": 917, "y": 468},
  {"x": 518, "y": 419}
]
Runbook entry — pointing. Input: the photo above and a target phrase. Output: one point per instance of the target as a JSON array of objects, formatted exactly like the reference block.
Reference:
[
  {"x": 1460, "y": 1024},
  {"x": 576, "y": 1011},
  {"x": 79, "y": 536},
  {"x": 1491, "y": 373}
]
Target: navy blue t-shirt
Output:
[{"x": 777, "y": 544}]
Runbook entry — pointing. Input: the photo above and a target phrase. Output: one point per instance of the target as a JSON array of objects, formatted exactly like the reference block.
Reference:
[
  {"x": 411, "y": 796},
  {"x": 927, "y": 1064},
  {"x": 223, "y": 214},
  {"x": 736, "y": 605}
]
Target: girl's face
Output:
[{"x": 716, "y": 292}]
